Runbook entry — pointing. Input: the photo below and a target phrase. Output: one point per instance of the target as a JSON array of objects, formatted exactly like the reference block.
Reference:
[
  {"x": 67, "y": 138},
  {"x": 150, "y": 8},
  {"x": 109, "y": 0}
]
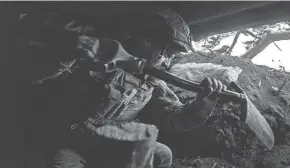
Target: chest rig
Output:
[{"x": 127, "y": 96}]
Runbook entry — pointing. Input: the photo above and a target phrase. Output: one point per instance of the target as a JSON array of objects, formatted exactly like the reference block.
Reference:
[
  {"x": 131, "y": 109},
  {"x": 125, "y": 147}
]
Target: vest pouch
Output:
[{"x": 115, "y": 95}]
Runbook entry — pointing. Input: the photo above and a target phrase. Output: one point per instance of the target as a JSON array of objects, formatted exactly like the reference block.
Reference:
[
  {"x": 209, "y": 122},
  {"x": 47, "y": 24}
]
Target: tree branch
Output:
[
  {"x": 234, "y": 42},
  {"x": 265, "y": 41},
  {"x": 251, "y": 33},
  {"x": 277, "y": 46}
]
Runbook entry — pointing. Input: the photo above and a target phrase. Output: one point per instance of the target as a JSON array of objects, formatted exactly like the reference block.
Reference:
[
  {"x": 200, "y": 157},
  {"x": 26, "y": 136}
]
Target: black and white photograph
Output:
[{"x": 148, "y": 84}]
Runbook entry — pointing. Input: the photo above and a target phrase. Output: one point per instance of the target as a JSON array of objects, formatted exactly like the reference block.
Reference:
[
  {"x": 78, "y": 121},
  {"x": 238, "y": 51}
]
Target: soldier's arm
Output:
[
  {"x": 168, "y": 113},
  {"x": 85, "y": 54}
]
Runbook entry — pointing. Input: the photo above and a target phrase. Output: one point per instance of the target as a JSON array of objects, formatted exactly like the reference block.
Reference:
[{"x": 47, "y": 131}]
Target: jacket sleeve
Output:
[
  {"x": 87, "y": 52},
  {"x": 167, "y": 112}
]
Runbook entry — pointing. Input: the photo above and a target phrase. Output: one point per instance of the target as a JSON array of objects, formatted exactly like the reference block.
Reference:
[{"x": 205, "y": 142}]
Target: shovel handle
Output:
[
  {"x": 189, "y": 85},
  {"x": 136, "y": 65}
]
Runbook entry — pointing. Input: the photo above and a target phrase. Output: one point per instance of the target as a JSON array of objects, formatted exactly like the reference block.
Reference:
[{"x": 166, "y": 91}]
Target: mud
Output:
[{"x": 224, "y": 136}]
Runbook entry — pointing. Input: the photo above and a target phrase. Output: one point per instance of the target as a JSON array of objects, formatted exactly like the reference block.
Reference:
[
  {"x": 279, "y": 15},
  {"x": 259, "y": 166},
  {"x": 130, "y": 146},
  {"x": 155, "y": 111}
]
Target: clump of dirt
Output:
[
  {"x": 278, "y": 157},
  {"x": 231, "y": 140},
  {"x": 201, "y": 162}
]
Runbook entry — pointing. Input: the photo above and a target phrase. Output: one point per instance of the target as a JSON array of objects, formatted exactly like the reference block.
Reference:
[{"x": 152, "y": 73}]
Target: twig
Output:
[
  {"x": 65, "y": 69},
  {"x": 251, "y": 157},
  {"x": 234, "y": 42},
  {"x": 213, "y": 165},
  {"x": 277, "y": 46},
  {"x": 279, "y": 90},
  {"x": 211, "y": 51},
  {"x": 250, "y": 33}
]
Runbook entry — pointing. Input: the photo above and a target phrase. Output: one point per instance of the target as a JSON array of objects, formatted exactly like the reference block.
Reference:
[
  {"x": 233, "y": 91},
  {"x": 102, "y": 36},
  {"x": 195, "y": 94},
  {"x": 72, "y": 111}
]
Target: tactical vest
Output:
[{"x": 127, "y": 96}]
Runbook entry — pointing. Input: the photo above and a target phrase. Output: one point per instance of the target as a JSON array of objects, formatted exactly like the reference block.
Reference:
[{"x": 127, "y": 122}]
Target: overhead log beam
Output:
[
  {"x": 204, "y": 18},
  {"x": 268, "y": 14},
  {"x": 202, "y": 11}
]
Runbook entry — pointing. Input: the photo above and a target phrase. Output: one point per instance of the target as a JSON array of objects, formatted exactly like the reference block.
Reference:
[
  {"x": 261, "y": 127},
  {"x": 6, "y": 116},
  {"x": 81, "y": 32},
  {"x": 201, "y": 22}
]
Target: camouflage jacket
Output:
[{"x": 121, "y": 96}]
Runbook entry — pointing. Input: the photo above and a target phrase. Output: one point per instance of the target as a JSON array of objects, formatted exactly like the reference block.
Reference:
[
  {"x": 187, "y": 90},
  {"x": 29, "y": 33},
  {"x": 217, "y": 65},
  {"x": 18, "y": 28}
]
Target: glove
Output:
[{"x": 207, "y": 100}]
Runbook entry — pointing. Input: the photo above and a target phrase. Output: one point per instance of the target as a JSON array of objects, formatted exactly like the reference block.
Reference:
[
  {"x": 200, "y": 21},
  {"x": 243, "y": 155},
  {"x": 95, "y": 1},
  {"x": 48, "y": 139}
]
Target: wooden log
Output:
[{"x": 128, "y": 145}]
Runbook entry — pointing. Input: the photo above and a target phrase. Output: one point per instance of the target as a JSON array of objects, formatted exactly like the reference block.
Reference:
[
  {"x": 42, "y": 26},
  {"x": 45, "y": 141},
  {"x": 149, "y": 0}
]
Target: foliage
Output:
[
  {"x": 211, "y": 47},
  {"x": 257, "y": 33}
]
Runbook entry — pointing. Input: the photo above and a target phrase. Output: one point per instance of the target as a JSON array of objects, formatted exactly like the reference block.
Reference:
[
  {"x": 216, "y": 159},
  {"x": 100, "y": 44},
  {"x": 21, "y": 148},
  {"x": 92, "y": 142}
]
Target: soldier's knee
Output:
[
  {"x": 66, "y": 157},
  {"x": 162, "y": 156}
]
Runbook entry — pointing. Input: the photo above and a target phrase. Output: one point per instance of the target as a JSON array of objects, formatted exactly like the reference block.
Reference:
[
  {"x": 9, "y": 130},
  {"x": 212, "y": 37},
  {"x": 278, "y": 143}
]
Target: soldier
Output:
[{"x": 144, "y": 98}]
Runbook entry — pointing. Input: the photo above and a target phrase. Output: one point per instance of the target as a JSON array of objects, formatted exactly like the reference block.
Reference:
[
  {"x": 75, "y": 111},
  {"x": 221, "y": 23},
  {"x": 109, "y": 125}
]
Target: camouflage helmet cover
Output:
[{"x": 180, "y": 32}]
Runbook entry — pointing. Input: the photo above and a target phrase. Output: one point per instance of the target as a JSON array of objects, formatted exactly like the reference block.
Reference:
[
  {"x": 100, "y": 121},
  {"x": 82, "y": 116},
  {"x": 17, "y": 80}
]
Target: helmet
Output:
[
  {"x": 177, "y": 29},
  {"x": 162, "y": 26}
]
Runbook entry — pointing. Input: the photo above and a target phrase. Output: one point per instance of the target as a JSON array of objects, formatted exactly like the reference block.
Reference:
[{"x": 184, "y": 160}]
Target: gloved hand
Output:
[{"x": 207, "y": 100}]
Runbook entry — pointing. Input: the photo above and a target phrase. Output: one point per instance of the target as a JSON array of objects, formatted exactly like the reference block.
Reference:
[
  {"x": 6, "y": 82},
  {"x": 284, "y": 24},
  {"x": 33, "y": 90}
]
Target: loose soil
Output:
[{"x": 226, "y": 142}]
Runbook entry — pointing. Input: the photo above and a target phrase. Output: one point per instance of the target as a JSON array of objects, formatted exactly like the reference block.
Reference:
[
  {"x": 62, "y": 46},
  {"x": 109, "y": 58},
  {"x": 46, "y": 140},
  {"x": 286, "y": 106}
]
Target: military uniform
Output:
[
  {"x": 80, "y": 97},
  {"x": 122, "y": 96}
]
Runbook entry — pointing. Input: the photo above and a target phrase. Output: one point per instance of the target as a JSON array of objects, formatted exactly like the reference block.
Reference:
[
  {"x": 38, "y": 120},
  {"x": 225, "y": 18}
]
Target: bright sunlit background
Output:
[{"x": 271, "y": 56}]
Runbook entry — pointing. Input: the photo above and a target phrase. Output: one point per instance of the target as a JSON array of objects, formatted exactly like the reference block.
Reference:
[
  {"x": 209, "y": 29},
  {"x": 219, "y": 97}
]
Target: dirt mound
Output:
[
  {"x": 278, "y": 157},
  {"x": 201, "y": 162},
  {"x": 231, "y": 140}
]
